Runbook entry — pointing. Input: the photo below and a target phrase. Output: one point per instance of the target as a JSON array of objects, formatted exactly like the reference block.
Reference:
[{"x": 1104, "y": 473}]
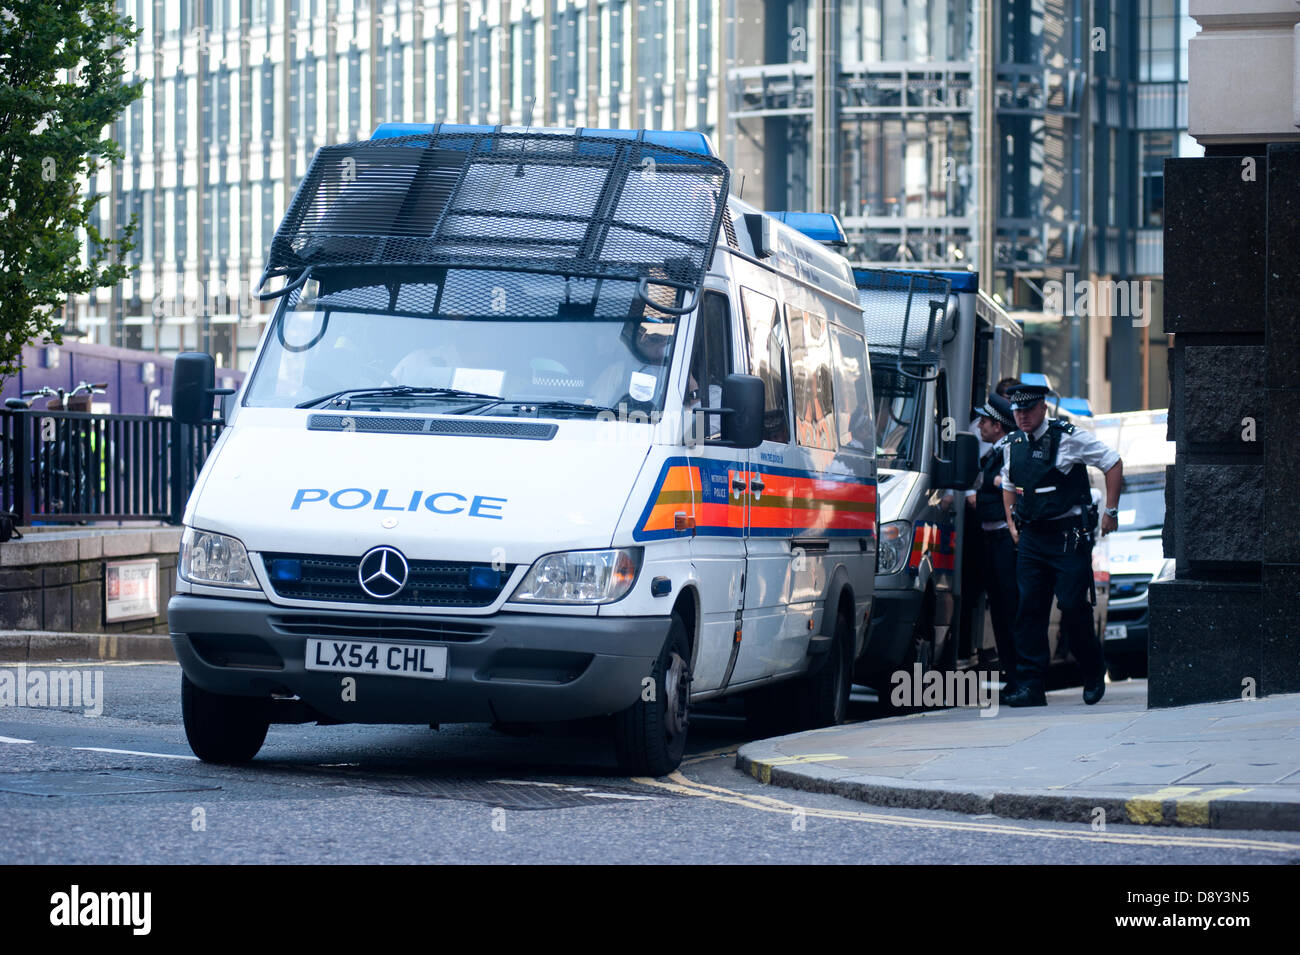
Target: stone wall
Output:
[
  {"x": 1230, "y": 622},
  {"x": 54, "y": 581}
]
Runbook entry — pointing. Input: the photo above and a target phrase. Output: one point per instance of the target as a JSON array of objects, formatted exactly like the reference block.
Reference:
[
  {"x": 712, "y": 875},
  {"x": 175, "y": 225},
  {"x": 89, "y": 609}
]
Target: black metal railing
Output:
[{"x": 73, "y": 467}]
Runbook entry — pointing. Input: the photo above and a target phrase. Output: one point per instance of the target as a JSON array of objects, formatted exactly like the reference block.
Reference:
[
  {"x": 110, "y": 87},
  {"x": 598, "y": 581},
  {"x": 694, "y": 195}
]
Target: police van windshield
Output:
[
  {"x": 897, "y": 400},
  {"x": 424, "y": 335},
  {"x": 1142, "y": 507}
]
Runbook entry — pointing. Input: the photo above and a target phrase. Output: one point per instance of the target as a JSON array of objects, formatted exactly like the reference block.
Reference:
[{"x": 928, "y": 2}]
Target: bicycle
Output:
[{"x": 60, "y": 462}]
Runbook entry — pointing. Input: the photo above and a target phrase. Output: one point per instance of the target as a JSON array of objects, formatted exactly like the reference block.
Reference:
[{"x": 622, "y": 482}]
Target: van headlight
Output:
[
  {"x": 216, "y": 559},
  {"x": 1166, "y": 570},
  {"x": 895, "y": 547},
  {"x": 580, "y": 577}
]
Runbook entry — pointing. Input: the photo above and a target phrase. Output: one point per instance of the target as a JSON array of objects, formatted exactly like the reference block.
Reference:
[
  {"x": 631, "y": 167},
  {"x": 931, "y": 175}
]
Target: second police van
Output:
[
  {"x": 546, "y": 426},
  {"x": 938, "y": 345}
]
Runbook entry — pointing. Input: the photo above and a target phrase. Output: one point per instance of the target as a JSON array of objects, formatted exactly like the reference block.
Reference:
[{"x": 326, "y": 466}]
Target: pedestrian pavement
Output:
[{"x": 1229, "y": 765}]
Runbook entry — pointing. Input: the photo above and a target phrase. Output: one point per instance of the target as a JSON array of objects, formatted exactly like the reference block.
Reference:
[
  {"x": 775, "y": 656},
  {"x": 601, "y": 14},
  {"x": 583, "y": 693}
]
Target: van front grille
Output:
[{"x": 430, "y": 583}]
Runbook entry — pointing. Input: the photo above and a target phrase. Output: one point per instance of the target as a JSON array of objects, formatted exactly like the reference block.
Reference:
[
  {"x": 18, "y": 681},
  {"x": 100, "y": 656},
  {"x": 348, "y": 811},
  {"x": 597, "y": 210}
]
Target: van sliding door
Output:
[
  {"x": 718, "y": 547},
  {"x": 768, "y": 491}
]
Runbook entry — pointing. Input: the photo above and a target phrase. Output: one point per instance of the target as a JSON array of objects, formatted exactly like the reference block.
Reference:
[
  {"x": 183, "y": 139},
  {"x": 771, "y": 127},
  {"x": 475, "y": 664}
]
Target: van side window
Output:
[
  {"x": 767, "y": 361},
  {"x": 710, "y": 362},
  {"x": 852, "y": 392},
  {"x": 810, "y": 363}
]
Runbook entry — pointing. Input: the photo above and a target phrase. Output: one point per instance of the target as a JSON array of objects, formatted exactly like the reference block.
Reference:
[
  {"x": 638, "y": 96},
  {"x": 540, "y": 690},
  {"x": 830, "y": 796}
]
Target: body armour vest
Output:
[
  {"x": 1045, "y": 493},
  {"x": 988, "y": 499}
]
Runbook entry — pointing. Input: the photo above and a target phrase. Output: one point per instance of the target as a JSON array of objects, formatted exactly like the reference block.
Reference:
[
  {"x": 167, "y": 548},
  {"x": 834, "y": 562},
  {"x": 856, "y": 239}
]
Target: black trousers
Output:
[
  {"x": 1001, "y": 583},
  {"x": 1048, "y": 567},
  {"x": 972, "y": 577}
]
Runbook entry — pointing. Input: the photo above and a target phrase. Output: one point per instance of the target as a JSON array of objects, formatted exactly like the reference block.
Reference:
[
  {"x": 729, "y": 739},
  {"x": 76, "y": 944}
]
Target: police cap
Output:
[
  {"x": 997, "y": 408},
  {"x": 1026, "y": 396}
]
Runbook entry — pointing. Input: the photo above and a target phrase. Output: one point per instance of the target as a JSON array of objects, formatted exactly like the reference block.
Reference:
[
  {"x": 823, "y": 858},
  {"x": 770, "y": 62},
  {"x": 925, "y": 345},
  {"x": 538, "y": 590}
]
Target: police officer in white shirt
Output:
[{"x": 1048, "y": 504}]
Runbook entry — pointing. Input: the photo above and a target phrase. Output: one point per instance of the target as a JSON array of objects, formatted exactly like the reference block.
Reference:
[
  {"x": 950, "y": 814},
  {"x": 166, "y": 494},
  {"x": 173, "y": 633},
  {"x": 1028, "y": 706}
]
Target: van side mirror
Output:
[
  {"x": 961, "y": 469},
  {"x": 194, "y": 378},
  {"x": 743, "y": 396}
]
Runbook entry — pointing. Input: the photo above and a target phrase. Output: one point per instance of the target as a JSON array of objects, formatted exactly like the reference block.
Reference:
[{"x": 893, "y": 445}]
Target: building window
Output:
[{"x": 1160, "y": 53}]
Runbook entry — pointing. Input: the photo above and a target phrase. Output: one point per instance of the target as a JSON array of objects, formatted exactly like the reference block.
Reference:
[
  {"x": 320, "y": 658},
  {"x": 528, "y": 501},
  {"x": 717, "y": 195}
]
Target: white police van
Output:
[
  {"x": 938, "y": 345},
  {"x": 545, "y": 427}
]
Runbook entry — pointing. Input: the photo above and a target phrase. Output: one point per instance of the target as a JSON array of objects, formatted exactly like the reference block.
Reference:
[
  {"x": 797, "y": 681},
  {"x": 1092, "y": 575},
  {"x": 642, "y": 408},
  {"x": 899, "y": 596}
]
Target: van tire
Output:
[
  {"x": 223, "y": 729},
  {"x": 650, "y": 735},
  {"x": 822, "y": 698}
]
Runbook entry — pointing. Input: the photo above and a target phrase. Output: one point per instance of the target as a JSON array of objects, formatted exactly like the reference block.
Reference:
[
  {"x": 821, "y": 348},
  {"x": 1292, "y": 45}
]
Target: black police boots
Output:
[
  {"x": 1095, "y": 689},
  {"x": 1025, "y": 695}
]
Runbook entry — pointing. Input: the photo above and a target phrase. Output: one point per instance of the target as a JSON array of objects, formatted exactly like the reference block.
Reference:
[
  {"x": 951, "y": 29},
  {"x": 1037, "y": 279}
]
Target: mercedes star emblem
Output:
[{"x": 382, "y": 572}]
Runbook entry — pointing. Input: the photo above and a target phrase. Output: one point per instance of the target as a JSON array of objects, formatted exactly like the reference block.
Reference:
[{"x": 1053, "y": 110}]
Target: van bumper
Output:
[{"x": 508, "y": 667}]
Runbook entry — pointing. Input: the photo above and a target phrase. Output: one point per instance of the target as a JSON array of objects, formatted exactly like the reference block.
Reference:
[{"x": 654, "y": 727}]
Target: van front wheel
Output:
[
  {"x": 222, "y": 729},
  {"x": 650, "y": 735}
]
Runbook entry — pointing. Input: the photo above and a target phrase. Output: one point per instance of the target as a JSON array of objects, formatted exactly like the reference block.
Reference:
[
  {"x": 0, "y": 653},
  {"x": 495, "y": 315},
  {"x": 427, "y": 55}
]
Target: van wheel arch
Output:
[
  {"x": 840, "y": 601},
  {"x": 687, "y": 607}
]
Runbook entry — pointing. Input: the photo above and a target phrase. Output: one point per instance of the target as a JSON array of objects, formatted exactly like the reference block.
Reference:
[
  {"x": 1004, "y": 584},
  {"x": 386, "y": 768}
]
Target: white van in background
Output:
[
  {"x": 545, "y": 427},
  {"x": 1136, "y": 548}
]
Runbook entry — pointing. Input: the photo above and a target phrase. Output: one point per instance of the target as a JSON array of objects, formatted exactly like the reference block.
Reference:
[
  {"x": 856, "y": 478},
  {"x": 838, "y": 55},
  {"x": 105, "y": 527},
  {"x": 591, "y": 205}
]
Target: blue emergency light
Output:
[
  {"x": 684, "y": 140},
  {"x": 959, "y": 281},
  {"x": 285, "y": 569},
  {"x": 484, "y": 578},
  {"x": 1079, "y": 407},
  {"x": 818, "y": 226}
]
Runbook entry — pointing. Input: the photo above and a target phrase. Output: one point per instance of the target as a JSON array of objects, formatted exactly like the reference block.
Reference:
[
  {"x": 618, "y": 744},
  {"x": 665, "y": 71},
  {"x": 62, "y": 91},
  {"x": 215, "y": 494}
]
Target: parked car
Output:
[{"x": 1136, "y": 550}]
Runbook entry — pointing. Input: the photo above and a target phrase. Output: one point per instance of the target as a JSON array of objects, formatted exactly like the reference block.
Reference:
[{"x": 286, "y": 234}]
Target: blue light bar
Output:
[
  {"x": 1080, "y": 407},
  {"x": 819, "y": 226},
  {"x": 684, "y": 140},
  {"x": 961, "y": 281}
]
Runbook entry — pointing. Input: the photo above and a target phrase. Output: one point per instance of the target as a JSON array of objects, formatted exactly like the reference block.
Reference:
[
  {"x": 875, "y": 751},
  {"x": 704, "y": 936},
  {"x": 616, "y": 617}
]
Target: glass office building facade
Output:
[
  {"x": 999, "y": 134},
  {"x": 238, "y": 95},
  {"x": 1025, "y": 138}
]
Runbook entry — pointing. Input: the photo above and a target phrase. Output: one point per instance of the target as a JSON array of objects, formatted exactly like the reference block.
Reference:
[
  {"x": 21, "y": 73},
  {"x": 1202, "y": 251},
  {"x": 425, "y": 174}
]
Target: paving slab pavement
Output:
[{"x": 1230, "y": 765}]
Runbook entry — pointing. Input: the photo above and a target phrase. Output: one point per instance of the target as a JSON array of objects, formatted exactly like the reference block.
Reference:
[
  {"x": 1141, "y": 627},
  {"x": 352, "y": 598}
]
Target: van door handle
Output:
[
  {"x": 738, "y": 485},
  {"x": 757, "y": 485}
]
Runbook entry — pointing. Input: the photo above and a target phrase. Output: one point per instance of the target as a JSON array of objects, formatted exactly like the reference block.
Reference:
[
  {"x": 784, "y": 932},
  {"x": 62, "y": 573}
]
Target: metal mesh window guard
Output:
[
  {"x": 572, "y": 204},
  {"x": 481, "y": 293},
  {"x": 904, "y": 313}
]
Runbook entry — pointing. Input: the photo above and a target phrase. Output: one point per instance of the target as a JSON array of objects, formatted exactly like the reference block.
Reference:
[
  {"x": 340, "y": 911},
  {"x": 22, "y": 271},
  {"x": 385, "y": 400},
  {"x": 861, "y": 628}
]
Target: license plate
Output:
[
  {"x": 1116, "y": 631},
  {"x": 394, "y": 659}
]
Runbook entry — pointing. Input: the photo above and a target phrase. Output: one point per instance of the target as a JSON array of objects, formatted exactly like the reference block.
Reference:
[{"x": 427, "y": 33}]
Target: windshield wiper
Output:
[
  {"x": 559, "y": 404},
  {"x": 398, "y": 391}
]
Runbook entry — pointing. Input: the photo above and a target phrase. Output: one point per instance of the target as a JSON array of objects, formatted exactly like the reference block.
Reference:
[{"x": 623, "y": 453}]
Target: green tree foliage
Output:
[{"x": 62, "y": 82}]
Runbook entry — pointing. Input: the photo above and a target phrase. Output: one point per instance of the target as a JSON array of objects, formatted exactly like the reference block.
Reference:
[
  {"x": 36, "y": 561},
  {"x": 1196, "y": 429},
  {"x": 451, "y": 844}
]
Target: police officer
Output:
[
  {"x": 1048, "y": 504},
  {"x": 997, "y": 549}
]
